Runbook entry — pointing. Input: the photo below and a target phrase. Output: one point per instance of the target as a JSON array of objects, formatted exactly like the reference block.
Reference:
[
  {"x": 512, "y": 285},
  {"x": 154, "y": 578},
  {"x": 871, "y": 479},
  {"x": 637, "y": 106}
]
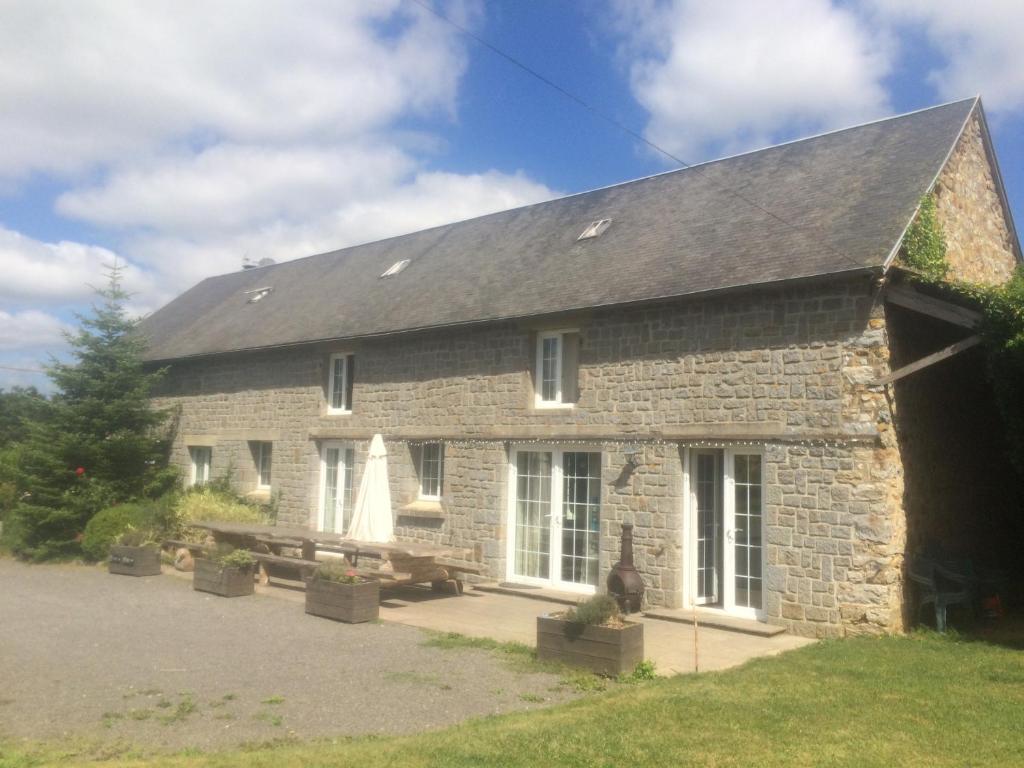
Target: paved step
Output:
[
  {"x": 705, "y": 618},
  {"x": 715, "y": 620},
  {"x": 533, "y": 593}
]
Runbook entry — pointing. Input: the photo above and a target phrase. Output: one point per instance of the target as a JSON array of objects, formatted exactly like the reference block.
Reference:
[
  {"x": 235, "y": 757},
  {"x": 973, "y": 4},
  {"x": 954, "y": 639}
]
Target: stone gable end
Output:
[{"x": 979, "y": 241}]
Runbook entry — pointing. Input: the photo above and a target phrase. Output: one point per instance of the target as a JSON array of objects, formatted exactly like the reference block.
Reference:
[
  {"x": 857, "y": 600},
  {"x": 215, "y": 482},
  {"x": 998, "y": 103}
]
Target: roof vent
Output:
[
  {"x": 595, "y": 229},
  {"x": 257, "y": 293},
  {"x": 395, "y": 268}
]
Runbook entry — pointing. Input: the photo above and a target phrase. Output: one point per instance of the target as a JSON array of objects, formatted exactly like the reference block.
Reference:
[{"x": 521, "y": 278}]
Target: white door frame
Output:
[
  {"x": 554, "y": 580},
  {"x": 341, "y": 446},
  {"x": 728, "y": 571}
]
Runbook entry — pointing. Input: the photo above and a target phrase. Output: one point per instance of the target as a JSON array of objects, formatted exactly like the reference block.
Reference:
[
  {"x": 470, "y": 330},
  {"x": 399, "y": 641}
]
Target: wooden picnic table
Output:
[{"x": 410, "y": 563}]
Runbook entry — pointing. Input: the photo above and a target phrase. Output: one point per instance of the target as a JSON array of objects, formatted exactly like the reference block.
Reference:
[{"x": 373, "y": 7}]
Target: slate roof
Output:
[{"x": 844, "y": 199}]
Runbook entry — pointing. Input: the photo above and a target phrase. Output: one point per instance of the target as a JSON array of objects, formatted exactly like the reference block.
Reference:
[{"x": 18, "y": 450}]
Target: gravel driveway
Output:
[{"x": 150, "y": 662}]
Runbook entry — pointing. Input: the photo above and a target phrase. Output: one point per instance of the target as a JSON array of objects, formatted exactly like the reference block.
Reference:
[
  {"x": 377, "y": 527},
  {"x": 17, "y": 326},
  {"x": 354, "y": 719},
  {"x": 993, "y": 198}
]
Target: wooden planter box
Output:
[
  {"x": 606, "y": 650},
  {"x": 134, "y": 561},
  {"x": 209, "y": 576},
  {"x": 352, "y": 603}
]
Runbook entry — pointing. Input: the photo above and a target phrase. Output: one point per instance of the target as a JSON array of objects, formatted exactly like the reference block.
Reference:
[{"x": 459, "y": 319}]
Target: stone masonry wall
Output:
[
  {"x": 979, "y": 243},
  {"x": 785, "y": 369}
]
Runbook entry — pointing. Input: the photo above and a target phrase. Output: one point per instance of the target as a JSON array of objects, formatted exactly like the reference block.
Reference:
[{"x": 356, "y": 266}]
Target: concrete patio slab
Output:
[{"x": 513, "y": 618}]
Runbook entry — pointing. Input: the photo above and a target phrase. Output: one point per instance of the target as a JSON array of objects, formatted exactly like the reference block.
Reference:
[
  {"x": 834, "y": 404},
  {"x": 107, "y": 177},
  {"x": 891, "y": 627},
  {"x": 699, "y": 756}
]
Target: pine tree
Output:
[{"x": 99, "y": 441}]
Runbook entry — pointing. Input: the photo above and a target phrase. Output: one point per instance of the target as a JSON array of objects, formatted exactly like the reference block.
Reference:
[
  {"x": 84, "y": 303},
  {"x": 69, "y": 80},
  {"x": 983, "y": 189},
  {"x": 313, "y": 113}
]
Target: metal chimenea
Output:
[{"x": 624, "y": 583}]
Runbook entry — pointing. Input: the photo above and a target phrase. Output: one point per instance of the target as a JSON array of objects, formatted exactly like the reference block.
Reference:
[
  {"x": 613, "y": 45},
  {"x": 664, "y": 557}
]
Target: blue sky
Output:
[{"x": 181, "y": 137}]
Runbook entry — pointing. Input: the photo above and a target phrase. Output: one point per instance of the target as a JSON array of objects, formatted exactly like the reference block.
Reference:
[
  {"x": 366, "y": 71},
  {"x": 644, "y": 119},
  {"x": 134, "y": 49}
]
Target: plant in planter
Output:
[
  {"x": 225, "y": 571},
  {"x": 592, "y": 635},
  {"x": 134, "y": 553},
  {"x": 336, "y": 591}
]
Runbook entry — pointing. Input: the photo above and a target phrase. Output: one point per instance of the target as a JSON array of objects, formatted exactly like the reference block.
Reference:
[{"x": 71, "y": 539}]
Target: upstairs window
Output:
[
  {"x": 556, "y": 371},
  {"x": 202, "y": 458},
  {"x": 264, "y": 457},
  {"x": 431, "y": 471},
  {"x": 339, "y": 385}
]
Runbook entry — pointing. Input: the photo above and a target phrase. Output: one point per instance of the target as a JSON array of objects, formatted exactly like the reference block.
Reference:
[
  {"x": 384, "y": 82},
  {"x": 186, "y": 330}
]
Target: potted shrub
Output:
[
  {"x": 226, "y": 571},
  {"x": 134, "y": 553},
  {"x": 593, "y": 635},
  {"x": 336, "y": 591}
]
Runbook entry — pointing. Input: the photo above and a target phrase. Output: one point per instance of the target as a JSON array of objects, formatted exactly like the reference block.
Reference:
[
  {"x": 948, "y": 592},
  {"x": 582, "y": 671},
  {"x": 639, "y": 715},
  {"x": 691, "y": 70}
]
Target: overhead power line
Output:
[
  {"x": 21, "y": 370},
  {"x": 625, "y": 128}
]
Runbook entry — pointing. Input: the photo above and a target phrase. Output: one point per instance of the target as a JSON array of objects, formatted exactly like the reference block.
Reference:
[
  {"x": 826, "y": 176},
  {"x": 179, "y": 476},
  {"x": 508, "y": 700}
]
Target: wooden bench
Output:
[{"x": 304, "y": 568}]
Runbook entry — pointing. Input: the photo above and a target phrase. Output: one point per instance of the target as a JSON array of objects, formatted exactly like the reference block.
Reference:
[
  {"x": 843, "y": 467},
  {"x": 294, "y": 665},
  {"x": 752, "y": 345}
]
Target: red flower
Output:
[
  {"x": 351, "y": 574},
  {"x": 80, "y": 471}
]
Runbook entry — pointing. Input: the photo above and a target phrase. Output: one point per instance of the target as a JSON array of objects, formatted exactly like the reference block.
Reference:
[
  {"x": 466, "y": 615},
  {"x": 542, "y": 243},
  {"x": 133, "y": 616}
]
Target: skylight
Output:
[
  {"x": 395, "y": 268},
  {"x": 594, "y": 229},
  {"x": 258, "y": 293}
]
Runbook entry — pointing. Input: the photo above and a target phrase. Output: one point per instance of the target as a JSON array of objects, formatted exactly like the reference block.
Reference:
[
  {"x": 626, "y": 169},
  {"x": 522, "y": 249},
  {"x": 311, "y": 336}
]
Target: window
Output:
[
  {"x": 264, "y": 454},
  {"x": 431, "y": 470},
  {"x": 395, "y": 268},
  {"x": 595, "y": 229},
  {"x": 556, "y": 375},
  {"x": 339, "y": 385},
  {"x": 202, "y": 458}
]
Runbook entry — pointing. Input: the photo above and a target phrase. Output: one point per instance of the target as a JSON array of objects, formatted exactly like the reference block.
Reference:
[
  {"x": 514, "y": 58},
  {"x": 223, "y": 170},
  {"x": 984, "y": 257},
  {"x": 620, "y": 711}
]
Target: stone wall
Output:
[
  {"x": 980, "y": 246},
  {"x": 785, "y": 369}
]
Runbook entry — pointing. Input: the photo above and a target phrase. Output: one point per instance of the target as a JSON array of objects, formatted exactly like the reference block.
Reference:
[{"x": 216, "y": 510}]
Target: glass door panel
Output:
[
  {"x": 747, "y": 519},
  {"x": 708, "y": 505},
  {"x": 336, "y": 487},
  {"x": 581, "y": 517},
  {"x": 533, "y": 514}
]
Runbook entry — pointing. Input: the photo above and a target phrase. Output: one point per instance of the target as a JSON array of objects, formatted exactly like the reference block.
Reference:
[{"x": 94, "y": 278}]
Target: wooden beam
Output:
[
  {"x": 909, "y": 298},
  {"x": 932, "y": 359}
]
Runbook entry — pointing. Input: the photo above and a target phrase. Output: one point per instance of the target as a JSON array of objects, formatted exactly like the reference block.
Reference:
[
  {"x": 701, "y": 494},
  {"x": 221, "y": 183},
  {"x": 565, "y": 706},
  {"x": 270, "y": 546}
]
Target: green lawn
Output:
[{"x": 920, "y": 700}]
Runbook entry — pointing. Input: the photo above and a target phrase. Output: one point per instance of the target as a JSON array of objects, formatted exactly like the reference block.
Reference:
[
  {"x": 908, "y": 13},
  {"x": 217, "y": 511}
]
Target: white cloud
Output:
[
  {"x": 96, "y": 83},
  {"x": 980, "y": 42},
  {"x": 230, "y": 187},
  {"x": 725, "y": 77},
  {"x": 37, "y": 272},
  {"x": 31, "y": 328}
]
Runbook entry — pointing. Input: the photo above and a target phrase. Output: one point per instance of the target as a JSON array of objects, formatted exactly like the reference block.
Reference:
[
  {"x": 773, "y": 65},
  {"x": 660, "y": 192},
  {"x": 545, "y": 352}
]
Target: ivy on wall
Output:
[
  {"x": 924, "y": 246},
  {"x": 924, "y": 251},
  {"x": 1003, "y": 331}
]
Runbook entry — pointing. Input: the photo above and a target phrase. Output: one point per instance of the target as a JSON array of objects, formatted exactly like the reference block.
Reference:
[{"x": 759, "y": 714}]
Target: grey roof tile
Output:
[{"x": 844, "y": 198}]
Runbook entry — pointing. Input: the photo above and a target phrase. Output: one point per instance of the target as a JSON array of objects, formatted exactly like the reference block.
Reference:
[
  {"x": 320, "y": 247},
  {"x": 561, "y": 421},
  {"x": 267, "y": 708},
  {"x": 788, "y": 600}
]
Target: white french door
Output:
[
  {"x": 726, "y": 530},
  {"x": 554, "y": 518},
  {"x": 335, "y": 508}
]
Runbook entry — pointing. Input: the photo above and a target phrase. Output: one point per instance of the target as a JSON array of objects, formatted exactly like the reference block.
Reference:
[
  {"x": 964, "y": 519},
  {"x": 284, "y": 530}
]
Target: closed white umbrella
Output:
[{"x": 371, "y": 518}]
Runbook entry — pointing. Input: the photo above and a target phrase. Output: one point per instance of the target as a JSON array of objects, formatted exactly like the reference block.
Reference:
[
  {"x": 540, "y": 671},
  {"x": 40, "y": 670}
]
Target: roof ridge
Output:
[{"x": 688, "y": 167}]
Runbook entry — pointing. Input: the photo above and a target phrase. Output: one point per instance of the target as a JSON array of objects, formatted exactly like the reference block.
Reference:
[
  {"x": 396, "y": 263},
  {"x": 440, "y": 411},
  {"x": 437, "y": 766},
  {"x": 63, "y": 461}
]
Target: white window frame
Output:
[
  {"x": 424, "y": 496},
  {"x": 345, "y": 475},
  {"x": 554, "y": 580},
  {"x": 558, "y": 402},
  {"x": 259, "y": 465},
  {"x": 728, "y": 586},
  {"x": 194, "y": 478},
  {"x": 345, "y": 394}
]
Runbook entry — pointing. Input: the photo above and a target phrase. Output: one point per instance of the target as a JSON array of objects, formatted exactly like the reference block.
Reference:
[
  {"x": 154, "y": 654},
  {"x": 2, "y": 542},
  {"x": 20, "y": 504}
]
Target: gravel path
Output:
[{"x": 150, "y": 662}]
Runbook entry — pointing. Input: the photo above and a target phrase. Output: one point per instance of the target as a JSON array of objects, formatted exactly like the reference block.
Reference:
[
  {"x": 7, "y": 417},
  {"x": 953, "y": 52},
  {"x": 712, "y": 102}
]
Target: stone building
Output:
[{"x": 701, "y": 353}]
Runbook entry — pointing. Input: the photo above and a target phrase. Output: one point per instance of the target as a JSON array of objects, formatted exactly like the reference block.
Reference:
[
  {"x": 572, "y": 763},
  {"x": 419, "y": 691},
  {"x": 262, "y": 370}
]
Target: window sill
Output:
[
  {"x": 338, "y": 413},
  {"x": 423, "y": 508},
  {"x": 554, "y": 406}
]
